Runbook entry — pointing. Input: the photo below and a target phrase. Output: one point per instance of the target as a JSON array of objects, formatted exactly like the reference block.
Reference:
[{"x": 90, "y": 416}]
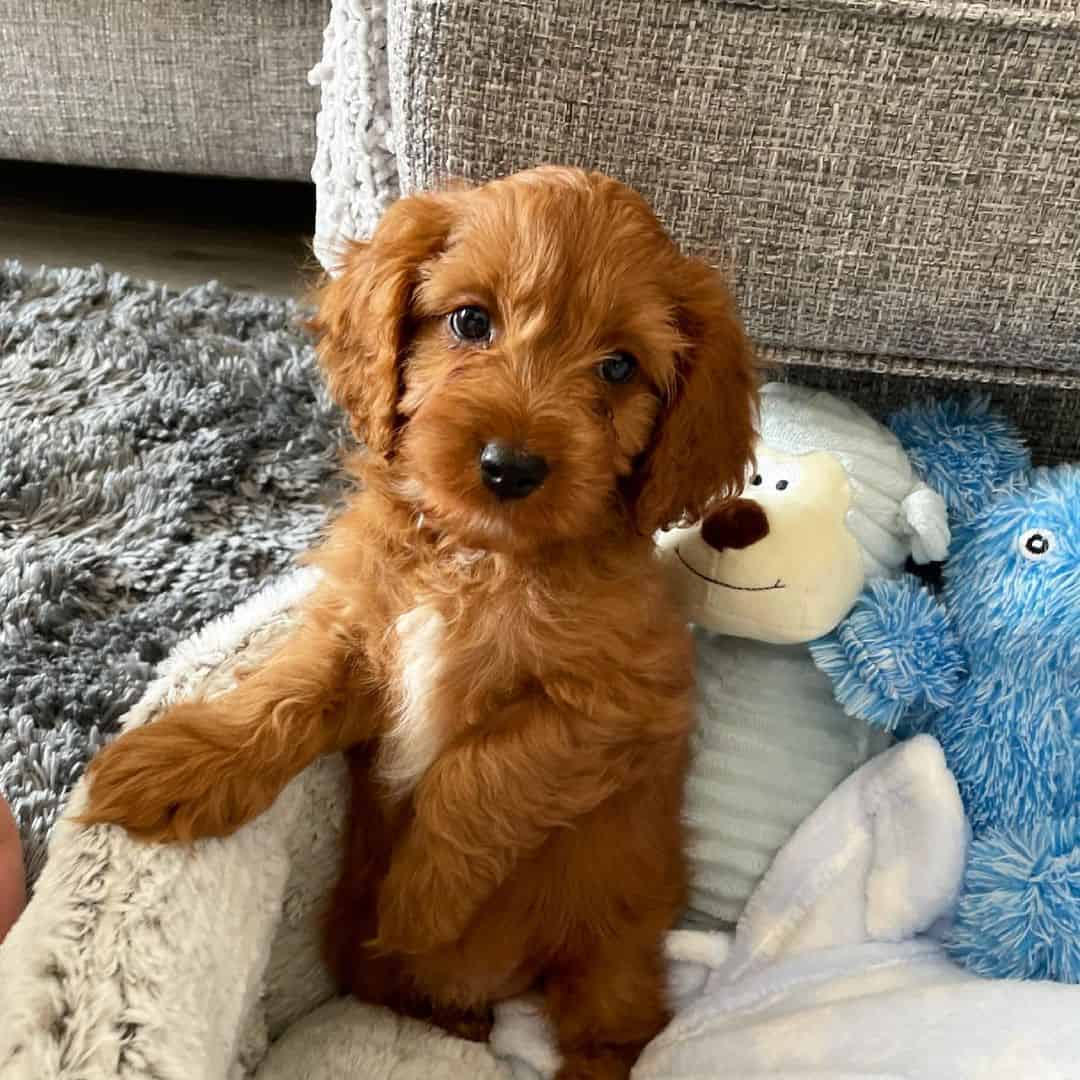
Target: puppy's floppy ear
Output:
[
  {"x": 362, "y": 323},
  {"x": 704, "y": 434}
]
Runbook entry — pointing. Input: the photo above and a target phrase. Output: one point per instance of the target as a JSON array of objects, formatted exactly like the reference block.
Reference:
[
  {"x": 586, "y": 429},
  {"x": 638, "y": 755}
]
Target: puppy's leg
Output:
[
  {"x": 361, "y": 970},
  {"x": 207, "y": 767},
  {"x": 496, "y": 794},
  {"x": 605, "y": 1006},
  {"x": 351, "y": 918},
  {"x": 491, "y": 798}
]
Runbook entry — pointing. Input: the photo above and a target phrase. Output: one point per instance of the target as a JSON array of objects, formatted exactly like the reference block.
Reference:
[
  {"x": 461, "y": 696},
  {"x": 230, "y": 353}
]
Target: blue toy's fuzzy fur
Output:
[{"x": 992, "y": 669}]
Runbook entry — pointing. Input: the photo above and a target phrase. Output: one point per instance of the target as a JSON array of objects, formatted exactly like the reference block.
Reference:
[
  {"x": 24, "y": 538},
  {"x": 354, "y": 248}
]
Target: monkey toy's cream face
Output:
[{"x": 778, "y": 564}]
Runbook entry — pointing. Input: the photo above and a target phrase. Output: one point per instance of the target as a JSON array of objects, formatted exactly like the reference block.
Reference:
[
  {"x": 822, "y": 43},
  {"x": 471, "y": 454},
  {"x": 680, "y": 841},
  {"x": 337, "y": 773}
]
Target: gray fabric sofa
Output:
[
  {"x": 194, "y": 86},
  {"x": 895, "y": 184}
]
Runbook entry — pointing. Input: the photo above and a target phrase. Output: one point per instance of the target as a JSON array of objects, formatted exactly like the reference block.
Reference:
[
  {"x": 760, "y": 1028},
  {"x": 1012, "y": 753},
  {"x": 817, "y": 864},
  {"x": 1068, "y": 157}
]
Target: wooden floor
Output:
[{"x": 249, "y": 235}]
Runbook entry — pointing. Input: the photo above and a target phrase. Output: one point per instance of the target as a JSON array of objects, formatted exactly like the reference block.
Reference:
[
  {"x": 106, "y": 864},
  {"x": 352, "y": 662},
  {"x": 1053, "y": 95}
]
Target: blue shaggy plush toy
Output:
[{"x": 991, "y": 668}]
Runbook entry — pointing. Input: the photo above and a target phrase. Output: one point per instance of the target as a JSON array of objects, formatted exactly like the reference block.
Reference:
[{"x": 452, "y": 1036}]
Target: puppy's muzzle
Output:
[{"x": 510, "y": 472}]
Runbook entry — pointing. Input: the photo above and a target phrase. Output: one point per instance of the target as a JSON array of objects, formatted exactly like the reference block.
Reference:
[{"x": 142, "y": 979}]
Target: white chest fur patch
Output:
[{"x": 416, "y": 738}]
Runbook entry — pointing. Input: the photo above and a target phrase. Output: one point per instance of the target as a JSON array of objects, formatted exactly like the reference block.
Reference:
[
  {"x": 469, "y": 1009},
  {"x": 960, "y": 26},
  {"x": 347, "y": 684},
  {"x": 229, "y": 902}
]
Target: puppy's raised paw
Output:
[{"x": 177, "y": 779}]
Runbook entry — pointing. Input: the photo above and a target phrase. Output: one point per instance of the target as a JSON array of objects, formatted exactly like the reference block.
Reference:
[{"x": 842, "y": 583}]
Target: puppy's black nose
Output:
[{"x": 510, "y": 473}]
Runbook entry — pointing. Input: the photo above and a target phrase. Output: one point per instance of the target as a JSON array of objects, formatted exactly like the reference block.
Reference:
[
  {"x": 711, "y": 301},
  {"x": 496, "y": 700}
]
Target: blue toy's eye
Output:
[{"x": 1035, "y": 544}]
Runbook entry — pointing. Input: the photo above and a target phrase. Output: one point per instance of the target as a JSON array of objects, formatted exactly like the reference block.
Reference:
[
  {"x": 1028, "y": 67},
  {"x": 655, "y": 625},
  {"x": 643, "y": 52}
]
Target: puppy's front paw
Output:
[
  {"x": 599, "y": 1067},
  {"x": 472, "y": 1026},
  {"x": 177, "y": 779},
  {"x": 421, "y": 908}
]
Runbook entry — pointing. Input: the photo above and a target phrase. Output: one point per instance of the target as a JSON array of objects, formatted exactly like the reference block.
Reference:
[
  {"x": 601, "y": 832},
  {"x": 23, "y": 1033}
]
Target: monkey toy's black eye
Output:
[
  {"x": 471, "y": 323},
  {"x": 618, "y": 367}
]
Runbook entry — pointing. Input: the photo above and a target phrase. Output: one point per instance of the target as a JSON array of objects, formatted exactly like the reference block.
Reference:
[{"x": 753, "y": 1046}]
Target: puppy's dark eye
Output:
[
  {"x": 471, "y": 324},
  {"x": 618, "y": 367},
  {"x": 756, "y": 479}
]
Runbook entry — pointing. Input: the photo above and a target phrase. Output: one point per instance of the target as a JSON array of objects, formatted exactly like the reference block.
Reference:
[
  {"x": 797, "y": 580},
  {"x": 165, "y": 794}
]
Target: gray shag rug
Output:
[{"x": 162, "y": 454}]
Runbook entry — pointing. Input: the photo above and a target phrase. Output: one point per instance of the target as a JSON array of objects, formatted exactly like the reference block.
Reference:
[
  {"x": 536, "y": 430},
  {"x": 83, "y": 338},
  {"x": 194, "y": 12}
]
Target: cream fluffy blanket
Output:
[{"x": 166, "y": 962}]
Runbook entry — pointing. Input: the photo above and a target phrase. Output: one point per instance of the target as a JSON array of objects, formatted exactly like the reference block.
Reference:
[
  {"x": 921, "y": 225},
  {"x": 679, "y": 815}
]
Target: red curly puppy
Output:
[{"x": 540, "y": 380}]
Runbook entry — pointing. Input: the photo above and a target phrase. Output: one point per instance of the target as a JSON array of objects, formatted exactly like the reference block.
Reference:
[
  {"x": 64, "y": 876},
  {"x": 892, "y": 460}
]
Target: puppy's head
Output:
[{"x": 533, "y": 359}]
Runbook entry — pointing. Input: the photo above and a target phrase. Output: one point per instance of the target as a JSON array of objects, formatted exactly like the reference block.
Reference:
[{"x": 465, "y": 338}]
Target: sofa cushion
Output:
[
  {"x": 216, "y": 88},
  {"x": 894, "y": 179}
]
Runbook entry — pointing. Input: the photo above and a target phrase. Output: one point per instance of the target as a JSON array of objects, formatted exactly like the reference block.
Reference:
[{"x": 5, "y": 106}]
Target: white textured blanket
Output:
[
  {"x": 355, "y": 168},
  {"x": 833, "y": 970},
  {"x": 163, "y": 962}
]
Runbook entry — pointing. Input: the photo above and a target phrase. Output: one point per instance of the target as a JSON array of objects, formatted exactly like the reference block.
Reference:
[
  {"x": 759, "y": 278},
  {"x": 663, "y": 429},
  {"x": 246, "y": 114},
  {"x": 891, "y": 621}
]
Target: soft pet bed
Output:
[{"x": 162, "y": 962}]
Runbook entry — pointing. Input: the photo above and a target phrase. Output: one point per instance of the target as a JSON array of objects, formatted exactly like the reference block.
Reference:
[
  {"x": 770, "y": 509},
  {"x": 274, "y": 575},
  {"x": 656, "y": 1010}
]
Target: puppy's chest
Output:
[
  {"x": 434, "y": 671},
  {"x": 417, "y": 733},
  {"x": 449, "y": 671}
]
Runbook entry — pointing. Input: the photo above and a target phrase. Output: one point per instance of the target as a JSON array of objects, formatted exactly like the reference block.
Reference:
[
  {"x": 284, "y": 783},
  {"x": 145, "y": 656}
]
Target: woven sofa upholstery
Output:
[
  {"x": 894, "y": 184},
  {"x": 189, "y": 86}
]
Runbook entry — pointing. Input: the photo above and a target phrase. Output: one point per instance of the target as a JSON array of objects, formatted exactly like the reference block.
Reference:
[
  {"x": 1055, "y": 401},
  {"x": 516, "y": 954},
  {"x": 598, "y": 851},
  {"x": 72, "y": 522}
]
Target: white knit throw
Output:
[{"x": 355, "y": 168}]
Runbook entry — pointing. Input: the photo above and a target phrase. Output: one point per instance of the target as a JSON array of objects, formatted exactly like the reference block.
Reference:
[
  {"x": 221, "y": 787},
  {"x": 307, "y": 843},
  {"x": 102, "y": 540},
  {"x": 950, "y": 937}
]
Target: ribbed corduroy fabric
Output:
[{"x": 770, "y": 744}]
